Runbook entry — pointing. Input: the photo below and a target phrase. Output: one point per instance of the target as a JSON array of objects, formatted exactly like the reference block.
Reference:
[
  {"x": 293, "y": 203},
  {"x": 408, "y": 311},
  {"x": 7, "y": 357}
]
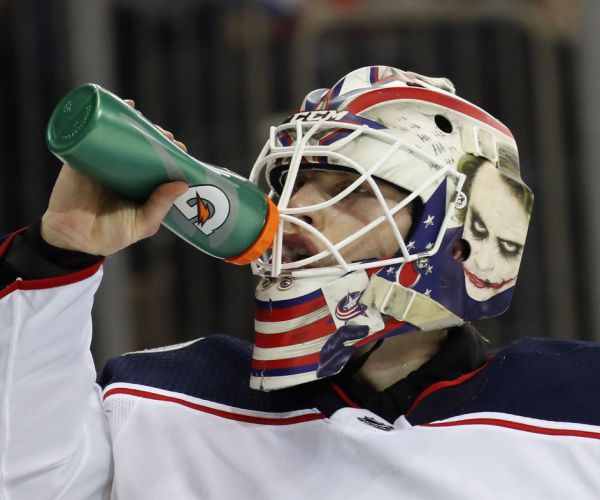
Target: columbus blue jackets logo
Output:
[
  {"x": 349, "y": 307},
  {"x": 206, "y": 206}
]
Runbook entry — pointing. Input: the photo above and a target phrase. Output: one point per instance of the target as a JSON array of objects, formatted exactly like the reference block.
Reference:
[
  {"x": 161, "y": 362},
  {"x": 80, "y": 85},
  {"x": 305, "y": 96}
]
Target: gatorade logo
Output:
[{"x": 206, "y": 206}]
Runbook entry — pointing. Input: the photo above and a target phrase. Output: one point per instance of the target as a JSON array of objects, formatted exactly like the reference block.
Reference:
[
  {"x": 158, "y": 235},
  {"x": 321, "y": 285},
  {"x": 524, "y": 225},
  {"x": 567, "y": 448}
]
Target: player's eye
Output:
[
  {"x": 338, "y": 187},
  {"x": 297, "y": 186},
  {"x": 301, "y": 179},
  {"x": 360, "y": 190},
  {"x": 363, "y": 189}
]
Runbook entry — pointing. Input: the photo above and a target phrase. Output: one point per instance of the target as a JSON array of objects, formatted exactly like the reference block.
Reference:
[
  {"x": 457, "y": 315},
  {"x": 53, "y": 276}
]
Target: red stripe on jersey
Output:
[
  {"x": 269, "y": 364},
  {"x": 339, "y": 391},
  {"x": 214, "y": 411},
  {"x": 447, "y": 383},
  {"x": 390, "y": 93},
  {"x": 517, "y": 426},
  {"x": 306, "y": 333},
  {"x": 8, "y": 241},
  {"x": 42, "y": 284}
]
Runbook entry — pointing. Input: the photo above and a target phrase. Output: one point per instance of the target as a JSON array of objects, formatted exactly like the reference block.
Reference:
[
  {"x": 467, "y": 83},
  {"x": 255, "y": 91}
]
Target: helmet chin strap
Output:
[{"x": 405, "y": 304}]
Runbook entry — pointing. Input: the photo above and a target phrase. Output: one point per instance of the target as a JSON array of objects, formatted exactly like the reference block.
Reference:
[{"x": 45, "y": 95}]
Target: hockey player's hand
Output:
[{"x": 84, "y": 216}]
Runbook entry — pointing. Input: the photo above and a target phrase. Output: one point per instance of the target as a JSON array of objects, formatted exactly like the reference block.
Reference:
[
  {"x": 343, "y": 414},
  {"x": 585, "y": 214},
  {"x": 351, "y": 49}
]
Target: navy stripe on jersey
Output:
[
  {"x": 538, "y": 378},
  {"x": 216, "y": 368}
]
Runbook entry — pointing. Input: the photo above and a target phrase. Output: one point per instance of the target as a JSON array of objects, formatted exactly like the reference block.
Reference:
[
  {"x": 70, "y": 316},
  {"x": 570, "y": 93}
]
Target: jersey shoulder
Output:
[
  {"x": 548, "y": 379},
  {"x": 214, "y": 368}
]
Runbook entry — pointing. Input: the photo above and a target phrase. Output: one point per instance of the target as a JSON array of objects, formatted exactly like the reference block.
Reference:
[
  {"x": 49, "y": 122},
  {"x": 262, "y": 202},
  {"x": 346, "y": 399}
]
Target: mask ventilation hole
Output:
[
  {"x": 461, "y": 250},
  {"x": 443, "y": 123}
]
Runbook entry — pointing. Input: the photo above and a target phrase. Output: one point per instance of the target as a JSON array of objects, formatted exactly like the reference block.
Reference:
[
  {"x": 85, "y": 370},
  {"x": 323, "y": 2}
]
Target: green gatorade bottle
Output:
[{"x": 222, "y": 214}]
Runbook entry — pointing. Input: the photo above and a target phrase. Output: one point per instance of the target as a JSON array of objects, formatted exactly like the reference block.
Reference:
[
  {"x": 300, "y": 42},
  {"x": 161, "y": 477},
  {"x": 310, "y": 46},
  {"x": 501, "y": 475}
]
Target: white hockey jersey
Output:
[{"x": 181, "y": 423}]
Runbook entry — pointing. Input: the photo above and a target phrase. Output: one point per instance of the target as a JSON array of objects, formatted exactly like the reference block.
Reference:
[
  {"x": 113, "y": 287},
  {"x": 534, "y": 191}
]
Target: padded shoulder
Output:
[
  {"x": 214, "y": 368},
  {"x": 539, "y": 378}
]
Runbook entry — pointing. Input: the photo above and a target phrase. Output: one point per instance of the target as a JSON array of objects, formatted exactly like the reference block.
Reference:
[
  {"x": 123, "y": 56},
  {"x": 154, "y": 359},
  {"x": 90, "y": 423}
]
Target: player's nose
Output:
[{"x": 308, "y": 195}]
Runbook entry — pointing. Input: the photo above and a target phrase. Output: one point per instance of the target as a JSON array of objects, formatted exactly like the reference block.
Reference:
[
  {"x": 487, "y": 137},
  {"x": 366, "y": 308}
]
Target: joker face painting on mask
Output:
[{"x": 495, "y": 227}]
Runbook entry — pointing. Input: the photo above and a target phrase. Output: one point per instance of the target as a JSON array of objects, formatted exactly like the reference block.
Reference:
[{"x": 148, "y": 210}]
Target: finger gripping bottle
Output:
[{"x": 222, "y": 213}]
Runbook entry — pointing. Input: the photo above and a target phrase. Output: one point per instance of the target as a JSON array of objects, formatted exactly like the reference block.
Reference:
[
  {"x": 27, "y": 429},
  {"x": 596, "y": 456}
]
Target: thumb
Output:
[{"x": 156, "y": 207}]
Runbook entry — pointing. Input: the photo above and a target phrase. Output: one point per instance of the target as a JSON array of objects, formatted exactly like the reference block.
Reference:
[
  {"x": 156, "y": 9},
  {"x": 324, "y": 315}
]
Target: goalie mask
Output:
[{"x": 401, "y": 209}]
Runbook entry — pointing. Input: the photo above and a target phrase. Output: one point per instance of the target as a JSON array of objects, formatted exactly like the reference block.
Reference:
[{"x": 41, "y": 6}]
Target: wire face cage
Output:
[{"x": 301, "y": 144}]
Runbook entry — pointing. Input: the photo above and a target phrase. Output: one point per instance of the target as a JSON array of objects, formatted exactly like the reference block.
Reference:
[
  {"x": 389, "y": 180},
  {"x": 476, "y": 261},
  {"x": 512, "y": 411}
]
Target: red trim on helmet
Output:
[
  {"x": 408, "y": 275},
  {"x": 372, "y": 270},
  {"x": 287, "y": 313},
  {"x": 390, "y": 324},
  {"x": 381, "y": 95},
  {"x": 270, "y": 364},
  {"x": 316, "y": 330}
]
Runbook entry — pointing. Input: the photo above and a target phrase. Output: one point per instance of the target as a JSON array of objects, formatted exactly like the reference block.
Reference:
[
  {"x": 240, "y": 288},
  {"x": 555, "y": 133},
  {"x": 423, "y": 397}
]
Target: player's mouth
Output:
[
  {"x": 480, "y": 283},
  {"x": 292, "y": 256},
  {"x": 296, "y": 248}
]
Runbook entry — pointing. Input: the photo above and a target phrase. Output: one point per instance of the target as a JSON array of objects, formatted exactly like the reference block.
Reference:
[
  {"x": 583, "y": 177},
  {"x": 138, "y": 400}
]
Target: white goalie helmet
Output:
[{"x": 457, "y": 167}]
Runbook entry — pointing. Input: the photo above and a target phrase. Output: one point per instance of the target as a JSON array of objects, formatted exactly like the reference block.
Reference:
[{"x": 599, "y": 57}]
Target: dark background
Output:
[{"x": 219, "y": 73}]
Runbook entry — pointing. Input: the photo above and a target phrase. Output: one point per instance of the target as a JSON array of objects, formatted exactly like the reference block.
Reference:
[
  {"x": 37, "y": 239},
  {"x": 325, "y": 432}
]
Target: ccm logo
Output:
[{"x": 315, "y": 116}]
